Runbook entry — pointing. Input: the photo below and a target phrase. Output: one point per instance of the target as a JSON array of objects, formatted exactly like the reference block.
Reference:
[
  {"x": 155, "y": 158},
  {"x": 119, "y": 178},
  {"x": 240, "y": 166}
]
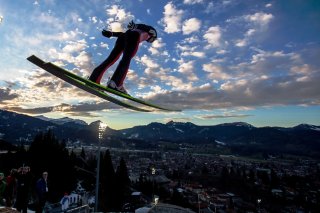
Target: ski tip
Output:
[
  {"x": 31, "y": 57},
  {"x": 35, "y": 60}
]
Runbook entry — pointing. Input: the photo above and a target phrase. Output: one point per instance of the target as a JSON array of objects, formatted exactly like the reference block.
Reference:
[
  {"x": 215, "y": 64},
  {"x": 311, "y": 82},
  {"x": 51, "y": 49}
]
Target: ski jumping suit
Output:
[{"x": 127, "y": 44}]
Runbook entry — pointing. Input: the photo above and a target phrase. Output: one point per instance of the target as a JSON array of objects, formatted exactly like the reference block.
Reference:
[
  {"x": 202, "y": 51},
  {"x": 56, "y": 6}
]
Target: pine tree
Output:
[
  {"x": 122, "y": 183},
  {"x": 83, "y": 154},
  {"x": 107, "y": 181},
  {"x": 46, "y": 153}
]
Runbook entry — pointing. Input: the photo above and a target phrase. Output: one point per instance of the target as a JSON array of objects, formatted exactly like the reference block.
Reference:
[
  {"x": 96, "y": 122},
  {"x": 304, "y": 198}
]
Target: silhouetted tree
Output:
[
  {"x": 107, "y": 180},
  {"x": 46, "y": 153},
  {"x": 122, "y": 183},
  {"x": 83, "y": 154}
]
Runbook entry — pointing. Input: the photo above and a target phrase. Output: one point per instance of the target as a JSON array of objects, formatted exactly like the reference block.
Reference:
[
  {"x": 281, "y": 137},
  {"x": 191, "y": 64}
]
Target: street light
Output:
[
  {"x": 153, "y": 172},
  {"x": 156, "y": 201},
  {"x": 259, "y": 201},
  {"x": 102, "y": 127}
]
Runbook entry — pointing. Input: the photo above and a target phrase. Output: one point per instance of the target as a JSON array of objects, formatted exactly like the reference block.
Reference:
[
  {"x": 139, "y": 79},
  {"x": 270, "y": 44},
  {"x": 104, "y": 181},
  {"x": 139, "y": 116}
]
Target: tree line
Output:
[{"x": 66, "y": 169}]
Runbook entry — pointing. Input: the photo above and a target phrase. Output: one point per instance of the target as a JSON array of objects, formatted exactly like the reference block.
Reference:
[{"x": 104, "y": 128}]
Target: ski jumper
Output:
[{"x": 126, "y": 44}]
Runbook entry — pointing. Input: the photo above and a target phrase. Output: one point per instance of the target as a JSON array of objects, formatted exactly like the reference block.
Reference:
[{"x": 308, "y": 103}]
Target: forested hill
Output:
[{"x": 17, "y": 128}]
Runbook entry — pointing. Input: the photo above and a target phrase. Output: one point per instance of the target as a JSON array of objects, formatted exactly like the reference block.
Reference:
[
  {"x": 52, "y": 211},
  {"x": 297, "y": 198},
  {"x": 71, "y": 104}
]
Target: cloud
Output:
[
  {"x": 83, "y": 61},
  {"x": 82, "y": 109},
  {"x": 39, "y": 110},
  {"x": 39, "y": 88},
  {"x": 192, "y": 1},
  {"x": 190, "y": 50},
  {"x": 152, "y": 71},
  {"x": 275, "y": 91},
  {"x": 148, "y": 62},
  {"x": 260, "y": 19},
  {"x": 272, "y": 62},
  {"x": 49, "y": 20},
  {"x": 241, "y": 42},
  {"x": 302, "y": 69},
  {"x": 172, "y": 18},
  {"x": 156, "y": 46},
  {"x": 187, "y": 69},
  {"x": 249, "y": 85},
  {"x": 7, "y": 94},
  {"x": 154, "y": 74},
  {"x": 194, "y": 53},
  {"x": 118, "y": 18},
  {"x": 215, "y": 8},
  {"x": 177, "y": 83},
  {"x": 191, "y": 25},
  {"x": 268, "y": 5},
  {"x": 93, "y": 19},
  {"x": 254, "y": 26},
  {"x": 75, "y": 46},
  {"x": 38, "y": 39},
  {"x": 224, "y": 115},
  {"x": 213, "y": 36},
  {"x": 74, "y": 53},
  {"x": 215, "y": 72},
  {"x": 191, "y": 40},
  {"x": 90, "y": 107}
]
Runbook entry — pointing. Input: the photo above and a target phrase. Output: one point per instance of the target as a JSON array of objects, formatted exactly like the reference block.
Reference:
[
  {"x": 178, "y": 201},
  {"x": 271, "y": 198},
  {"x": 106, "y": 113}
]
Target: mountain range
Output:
[{"x": 239, "y": 137}]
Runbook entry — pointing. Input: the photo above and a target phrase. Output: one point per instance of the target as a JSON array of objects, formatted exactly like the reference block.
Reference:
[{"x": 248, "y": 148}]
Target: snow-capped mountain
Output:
[
  {"x": 187, "y": 132},
  {"x": 307, "y": 127},
  {"x": 17, "y": 128},
  {"x": 64, "y": 120}
]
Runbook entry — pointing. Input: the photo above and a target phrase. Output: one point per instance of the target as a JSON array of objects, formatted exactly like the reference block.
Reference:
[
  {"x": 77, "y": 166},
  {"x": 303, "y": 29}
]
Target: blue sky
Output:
[{"x": 218, "y": 60}]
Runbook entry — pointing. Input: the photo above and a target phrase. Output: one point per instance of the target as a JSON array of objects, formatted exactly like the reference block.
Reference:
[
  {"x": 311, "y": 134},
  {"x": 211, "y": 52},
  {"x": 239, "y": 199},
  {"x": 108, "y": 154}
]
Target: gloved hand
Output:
[
  {"x": 131, "y": 25},
  {"x": 106, "y": 33}
]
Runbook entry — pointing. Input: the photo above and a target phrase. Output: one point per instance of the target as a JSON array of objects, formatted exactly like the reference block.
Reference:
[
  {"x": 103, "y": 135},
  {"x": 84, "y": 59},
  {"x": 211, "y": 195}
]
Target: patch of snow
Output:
[
  {"x": 221, "y": 143},
  {"x": 179, "y": 130},
  {"x": 63, "y": 120},
  {"x": 134, "y": 135},
  {"x": 314, "y": 128}
]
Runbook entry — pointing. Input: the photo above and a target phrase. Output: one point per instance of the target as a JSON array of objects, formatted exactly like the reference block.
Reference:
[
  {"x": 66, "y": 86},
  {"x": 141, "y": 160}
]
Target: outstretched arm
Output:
[{"x": 109, "y": 34}]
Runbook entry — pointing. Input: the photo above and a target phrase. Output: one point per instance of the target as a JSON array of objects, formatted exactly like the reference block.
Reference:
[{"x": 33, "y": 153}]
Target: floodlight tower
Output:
[{"x": 101, "y": 130}]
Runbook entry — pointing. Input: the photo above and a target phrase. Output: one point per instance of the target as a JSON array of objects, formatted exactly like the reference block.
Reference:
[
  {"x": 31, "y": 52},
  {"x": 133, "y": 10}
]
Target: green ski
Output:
[
  {"x": 85, "y": 83},
  {"x": 120, "y": 94},
  {"x": 53, "y": 70}
]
